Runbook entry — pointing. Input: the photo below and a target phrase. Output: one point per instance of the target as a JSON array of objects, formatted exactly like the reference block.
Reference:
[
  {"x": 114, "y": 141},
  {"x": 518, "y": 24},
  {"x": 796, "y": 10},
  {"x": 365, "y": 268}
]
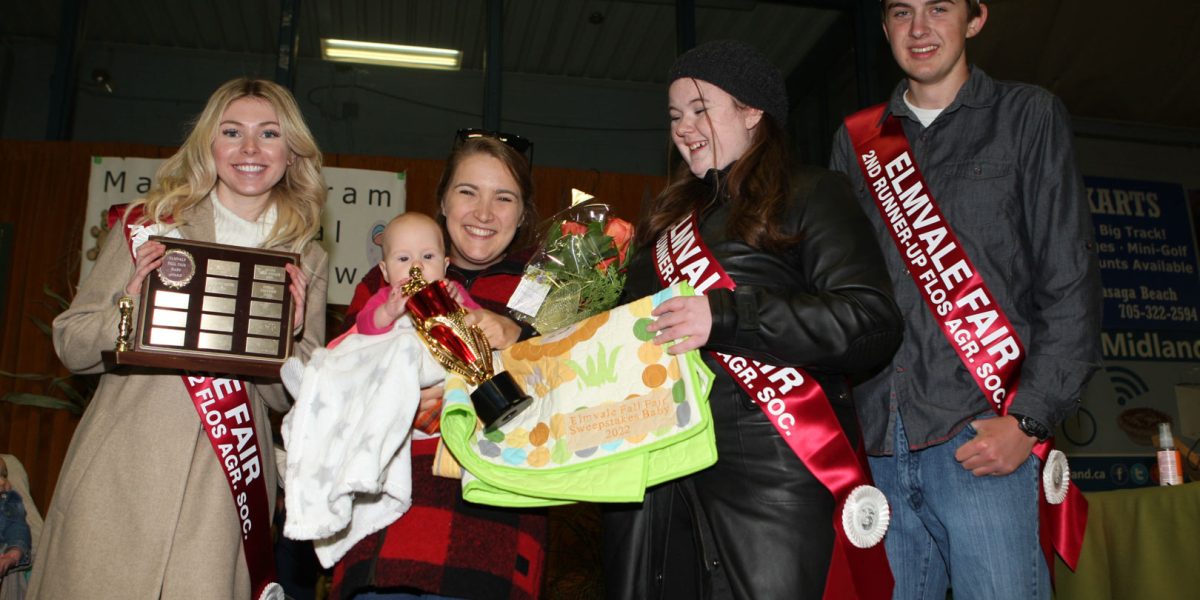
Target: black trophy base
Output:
[{"x": 498, "y": 400}]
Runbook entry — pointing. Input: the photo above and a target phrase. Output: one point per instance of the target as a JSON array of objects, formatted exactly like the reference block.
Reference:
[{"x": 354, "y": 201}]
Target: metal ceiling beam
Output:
[
  {"x": 867, "y": 33},
  {"x": 685, "y": 25},
  {"x": 6, "y": 83},
  {"x": 63, "y": 83},
  {"x": 289, "y": 43},
  {"x": 846, "y": 5},
  {"x": 865, "y": 15},
  {"x": 832, "y": 5},
  {"x": 493, "y": 63},
  {"x": 810, "y": 85}
]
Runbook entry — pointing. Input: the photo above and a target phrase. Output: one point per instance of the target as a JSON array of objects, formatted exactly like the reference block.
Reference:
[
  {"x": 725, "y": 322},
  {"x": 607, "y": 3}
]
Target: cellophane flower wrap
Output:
[{"x": 580, "y": 265}]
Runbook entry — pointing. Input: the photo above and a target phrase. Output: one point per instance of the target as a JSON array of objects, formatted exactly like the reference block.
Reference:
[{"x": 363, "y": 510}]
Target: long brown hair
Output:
[
  {"x": 758, "y": 187},
  {"x": 517, "y": 165}
]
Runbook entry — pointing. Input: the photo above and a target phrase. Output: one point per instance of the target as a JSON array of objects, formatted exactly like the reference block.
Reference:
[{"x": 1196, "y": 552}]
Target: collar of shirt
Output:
[{"x": 979, "y": 91}]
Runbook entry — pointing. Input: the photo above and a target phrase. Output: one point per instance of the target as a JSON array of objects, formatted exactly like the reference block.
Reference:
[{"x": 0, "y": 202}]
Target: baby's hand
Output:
[
  {"x": 392, "y": 309},
  {"x": 455, "y": 292}
]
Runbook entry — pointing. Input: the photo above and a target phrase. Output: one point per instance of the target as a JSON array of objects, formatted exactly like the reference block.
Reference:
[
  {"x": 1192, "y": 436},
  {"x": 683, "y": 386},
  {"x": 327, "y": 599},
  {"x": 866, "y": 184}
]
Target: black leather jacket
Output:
[{"x": 824, "y": 305}]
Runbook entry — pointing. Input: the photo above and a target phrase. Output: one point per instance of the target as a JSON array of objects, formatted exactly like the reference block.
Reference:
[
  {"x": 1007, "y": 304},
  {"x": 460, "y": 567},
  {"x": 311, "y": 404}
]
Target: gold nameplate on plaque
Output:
[
  {"x": 216, "y": 323},
  {"x": 261, "y": 345},
  {"x": 223, "y": 268},
  {"x": 266, "y": 291},
  {"x": 270, "y": 310},
  {"x": 212, "y": 308},
  {"x": 265, "y": 273},
  {"x": 263, "y": 327},
  {"x": 165, "y": 317},
  {"x": 214, "y": 341},
  {"x": 217, "y": 304},
  {"x": 165, "y": 299},
  {"x": 220, "y": 285},
  {"x": 162, "y": 336}
]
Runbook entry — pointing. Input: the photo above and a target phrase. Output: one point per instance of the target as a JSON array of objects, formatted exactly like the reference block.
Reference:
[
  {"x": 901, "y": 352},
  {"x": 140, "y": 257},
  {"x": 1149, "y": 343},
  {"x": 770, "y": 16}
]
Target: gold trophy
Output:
[{"x": 462, "y": 348}]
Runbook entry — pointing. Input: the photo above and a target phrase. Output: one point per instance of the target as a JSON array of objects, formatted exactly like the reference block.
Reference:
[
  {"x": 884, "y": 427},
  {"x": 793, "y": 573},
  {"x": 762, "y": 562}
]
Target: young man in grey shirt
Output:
[{"x": 997, "y": 160}]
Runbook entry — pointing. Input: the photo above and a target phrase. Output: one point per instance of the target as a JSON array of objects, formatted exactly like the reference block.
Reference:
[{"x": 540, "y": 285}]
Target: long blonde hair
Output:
[{"x": 187, "y": 178}]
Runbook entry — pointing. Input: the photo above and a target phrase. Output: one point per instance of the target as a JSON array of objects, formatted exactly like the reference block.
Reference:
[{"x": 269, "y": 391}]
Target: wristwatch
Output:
[{"x": 1032, "y": 427}]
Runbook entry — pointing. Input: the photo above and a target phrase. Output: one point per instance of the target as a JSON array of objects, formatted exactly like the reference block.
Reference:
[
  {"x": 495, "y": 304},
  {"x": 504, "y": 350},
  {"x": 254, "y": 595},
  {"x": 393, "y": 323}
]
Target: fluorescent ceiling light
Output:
[{"x": 391, "y": 55}]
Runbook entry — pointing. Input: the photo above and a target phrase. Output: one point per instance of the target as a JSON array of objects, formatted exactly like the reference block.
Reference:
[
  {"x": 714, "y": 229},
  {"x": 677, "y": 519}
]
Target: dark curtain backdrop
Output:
[{"x": 43, "y": 192}]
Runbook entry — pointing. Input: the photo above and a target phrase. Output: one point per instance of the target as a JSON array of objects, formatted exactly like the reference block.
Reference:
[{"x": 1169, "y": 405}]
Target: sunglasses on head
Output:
[{"x": 512, "y": 140}]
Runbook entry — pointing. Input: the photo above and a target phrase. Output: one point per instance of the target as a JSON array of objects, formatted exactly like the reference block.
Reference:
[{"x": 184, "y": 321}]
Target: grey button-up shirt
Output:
[{"x": 1000, "y": 164}]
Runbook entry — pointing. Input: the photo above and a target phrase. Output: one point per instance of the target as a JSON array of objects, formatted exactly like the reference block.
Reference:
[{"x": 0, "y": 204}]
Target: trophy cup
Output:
[{"x": 462, "y": 348}]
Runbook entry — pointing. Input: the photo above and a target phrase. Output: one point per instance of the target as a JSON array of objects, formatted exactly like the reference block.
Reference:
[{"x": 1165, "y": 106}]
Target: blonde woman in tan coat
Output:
[{"x": 142, "y": 508}]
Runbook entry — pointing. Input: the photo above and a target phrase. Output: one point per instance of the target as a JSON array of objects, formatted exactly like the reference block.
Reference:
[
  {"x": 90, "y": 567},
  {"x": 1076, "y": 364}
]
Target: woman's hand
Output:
[
  {"x": 431, "y": 398},
  {"x": 685, "y": 320},
  {"x": 299, "y": 287},
  {"x": 149, "y": 258},
  {"x": 501, "y": 332},
  {"x": 9, "y": 560}
]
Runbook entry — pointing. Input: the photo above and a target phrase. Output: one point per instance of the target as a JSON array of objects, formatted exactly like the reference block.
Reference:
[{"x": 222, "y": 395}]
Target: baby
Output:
[
  {"x": 14, "y": 529},
  {"x": 410, "y": 239},
  {"x": 360, "y": 402}
]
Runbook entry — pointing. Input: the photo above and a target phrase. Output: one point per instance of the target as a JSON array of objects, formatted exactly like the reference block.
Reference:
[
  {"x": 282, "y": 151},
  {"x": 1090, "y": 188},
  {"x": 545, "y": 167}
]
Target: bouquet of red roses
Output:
[{"x": 578, "y": 270}]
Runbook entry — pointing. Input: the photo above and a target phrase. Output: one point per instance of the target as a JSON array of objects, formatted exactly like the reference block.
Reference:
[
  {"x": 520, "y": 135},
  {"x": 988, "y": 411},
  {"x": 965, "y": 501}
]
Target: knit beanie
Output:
[{"x": 739, "y": 69}]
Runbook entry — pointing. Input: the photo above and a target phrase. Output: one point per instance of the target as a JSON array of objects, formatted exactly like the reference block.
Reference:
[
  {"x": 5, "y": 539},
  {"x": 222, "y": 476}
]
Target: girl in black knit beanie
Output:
[{"x": 795, "y": 300}]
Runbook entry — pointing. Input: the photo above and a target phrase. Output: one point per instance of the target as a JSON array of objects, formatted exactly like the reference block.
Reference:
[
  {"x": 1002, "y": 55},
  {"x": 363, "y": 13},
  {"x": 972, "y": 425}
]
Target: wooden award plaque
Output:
[{"x": 212, "y": 308}]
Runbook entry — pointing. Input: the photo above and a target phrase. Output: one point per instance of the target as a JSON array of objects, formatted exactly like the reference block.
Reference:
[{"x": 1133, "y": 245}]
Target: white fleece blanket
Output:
[{"x": 349, "y": 467}]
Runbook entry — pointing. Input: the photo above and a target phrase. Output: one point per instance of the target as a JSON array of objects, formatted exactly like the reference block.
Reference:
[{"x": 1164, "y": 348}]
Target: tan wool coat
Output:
[{"x": 142, "y": 509}]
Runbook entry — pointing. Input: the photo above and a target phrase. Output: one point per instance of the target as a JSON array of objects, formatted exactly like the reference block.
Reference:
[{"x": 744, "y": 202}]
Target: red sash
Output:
[
  {"x": 797, "y": 407},
  {"x": 957, "y": 297},
  {"x": 227, "y": 418}
]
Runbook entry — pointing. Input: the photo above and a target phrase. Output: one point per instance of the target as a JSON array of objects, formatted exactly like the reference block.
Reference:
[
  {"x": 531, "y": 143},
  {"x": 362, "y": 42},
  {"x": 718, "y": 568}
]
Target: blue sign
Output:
[
  {"x": 1147, "y": 254},
  {"x": 1104, "y": 473}
]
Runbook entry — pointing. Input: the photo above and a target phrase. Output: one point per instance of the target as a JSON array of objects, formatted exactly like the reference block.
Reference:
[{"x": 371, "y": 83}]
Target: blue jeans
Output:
[{"x": 977, "y": 535}]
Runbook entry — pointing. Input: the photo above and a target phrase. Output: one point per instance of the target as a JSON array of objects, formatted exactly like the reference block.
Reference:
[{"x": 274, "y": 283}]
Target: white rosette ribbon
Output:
[
  {"x": 273, "y": 591},
  {"x": 865, "y": 516},
  {"x": 1056, "y": 477},
  {"x": 140, "y": 234}
]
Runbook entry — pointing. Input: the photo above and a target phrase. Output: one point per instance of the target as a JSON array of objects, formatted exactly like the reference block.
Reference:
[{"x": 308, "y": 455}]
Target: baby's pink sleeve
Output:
[
  {"x": 365, "y": 319},
  {"x": 468, "y": 302}
]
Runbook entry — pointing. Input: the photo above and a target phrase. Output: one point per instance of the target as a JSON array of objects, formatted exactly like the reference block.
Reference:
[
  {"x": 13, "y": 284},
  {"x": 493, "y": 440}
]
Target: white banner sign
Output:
[{"x": 359, "y": 204}]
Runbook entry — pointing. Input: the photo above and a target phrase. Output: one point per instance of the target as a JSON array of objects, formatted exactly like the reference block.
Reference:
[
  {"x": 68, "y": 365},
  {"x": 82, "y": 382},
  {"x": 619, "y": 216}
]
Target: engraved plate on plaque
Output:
[
  {"x": 217, "y": 304},
  {"x": 169, "y": 318},
  {"x": 216, "y": 323},
  {"x": 161, "y": 336},
  {"x": 214, "y": 341},
  {"x": 266, "y": 291},
  {"x": 220, "y": 285},
  {"x": 178, "y": 268},
  {"x": 261, "y": 327},
  {"x": 270, "y": 310},
  {"x": 269, "y": 273},
  {"x": 262, "y": 345},
  {"x": 165, "y": 299},
  {"x": 223, "y": 268}
]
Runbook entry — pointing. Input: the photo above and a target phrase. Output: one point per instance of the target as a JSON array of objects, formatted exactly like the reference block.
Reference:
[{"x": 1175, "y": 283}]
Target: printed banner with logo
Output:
[{"x": 1151, "y": 337}]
